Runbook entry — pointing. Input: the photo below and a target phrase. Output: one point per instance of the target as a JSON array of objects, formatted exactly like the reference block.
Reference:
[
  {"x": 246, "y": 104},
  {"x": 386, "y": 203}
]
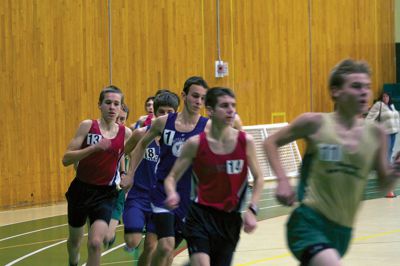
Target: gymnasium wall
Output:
[
  {"x": 56, "y": 56},
  {"x": 397, "y": 38},
  {"x": 397, "y": 20}
]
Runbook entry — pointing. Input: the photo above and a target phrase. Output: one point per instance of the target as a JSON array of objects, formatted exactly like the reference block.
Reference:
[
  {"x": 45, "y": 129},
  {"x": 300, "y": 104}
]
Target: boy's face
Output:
[
  {"x": 149, "y": 107},
  {"x": 121, "y": 119},
  {"x": 163, "y": 110},
  {"x": 355, "y": 92},
  {"x": 224, "y": 111},
  {"x": 194, "y": 100},
  {"x": 110, "y": 106}
]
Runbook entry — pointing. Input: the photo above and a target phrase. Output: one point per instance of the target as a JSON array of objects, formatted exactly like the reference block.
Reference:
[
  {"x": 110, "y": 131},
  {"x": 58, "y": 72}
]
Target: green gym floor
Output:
[{"x": 37, "y": 236}]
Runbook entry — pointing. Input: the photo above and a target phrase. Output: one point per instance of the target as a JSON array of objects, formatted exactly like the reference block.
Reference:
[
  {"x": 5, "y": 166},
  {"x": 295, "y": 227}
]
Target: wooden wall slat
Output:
[
  {"x": 271, "y": 50},
  {"x": 56, "y": 55},
  {"x": 362, "y": 30},
  {"x": 156, "y": 44}
]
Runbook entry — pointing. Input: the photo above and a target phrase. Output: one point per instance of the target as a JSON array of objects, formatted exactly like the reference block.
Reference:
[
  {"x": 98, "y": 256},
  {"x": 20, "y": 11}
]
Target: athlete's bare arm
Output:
[
  {"x": 74, "y": 152},
  {"x": 182, "y": 163},
  {"x": 250, "y": 220},
  {"x": 128, "y": 134},
  {"x": 134, "y": 139},
  {"x": 254, "y": 168},
  {"x": 133, "y": 127},
  {"x": 302, "y": 127}
]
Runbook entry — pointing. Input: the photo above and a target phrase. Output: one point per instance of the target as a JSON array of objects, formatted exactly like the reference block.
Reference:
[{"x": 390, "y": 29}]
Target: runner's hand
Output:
[
  {"x": 103, "y": 145},
  {"x": 284, "y": 193},
  {"x": 172, "y": 200},
  {"x": 249, "y": 222}
]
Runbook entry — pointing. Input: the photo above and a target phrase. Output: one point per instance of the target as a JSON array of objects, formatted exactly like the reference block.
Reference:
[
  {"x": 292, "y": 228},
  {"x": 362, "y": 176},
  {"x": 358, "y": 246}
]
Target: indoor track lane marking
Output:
[
  {"x": 31, "y": 244},
  {"x": 40, "y": 250},
  {"x": 31, "y": 232},
  {"x": 35, "y": 252}
]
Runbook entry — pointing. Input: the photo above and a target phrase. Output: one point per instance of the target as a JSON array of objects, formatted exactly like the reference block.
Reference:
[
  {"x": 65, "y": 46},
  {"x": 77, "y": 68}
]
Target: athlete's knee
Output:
[
  {"x": 150, "y": 245},
  {"x": 165, "y": 246},
  {"x": 74, "y": 241},
  {"x": 95, "y": 244},
  {"x": 325, "y": 257},
  {"x": 133, "y": 240}
]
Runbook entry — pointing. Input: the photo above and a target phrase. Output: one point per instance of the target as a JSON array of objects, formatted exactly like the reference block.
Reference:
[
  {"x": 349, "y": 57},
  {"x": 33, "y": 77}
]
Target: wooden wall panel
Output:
[
  {"x": 385, "y": 67},
  {"x": 156, "y": 44},
  {"x": 54, "y": 58},
  {"x": 271, "y": 57},
  {"x": 350, "y": 29},
  {"x": 256, "y": 37}
]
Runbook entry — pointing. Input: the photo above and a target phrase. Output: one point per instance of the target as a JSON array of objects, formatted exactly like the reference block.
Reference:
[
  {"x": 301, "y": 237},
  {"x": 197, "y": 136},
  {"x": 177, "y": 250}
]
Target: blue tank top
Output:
[
  {"x": 170, "y": 147},
  {"x": 144, "y": 179}
]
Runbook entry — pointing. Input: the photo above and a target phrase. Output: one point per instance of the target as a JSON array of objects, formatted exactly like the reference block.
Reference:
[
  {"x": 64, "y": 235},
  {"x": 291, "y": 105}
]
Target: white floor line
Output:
[
  {"x": 35, "y": 252},
  {"x": 266, "y": 199},
  {"x": 53, "y": 245},
  {"x": 109, "y": 251},
  {"x": 31, "y": 232}
]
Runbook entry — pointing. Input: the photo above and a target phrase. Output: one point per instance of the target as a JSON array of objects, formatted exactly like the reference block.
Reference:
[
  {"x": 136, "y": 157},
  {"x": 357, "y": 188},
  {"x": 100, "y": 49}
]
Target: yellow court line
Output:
[
  {"x": 281, "y": 256},
  {"x": 362, "y": 238}
]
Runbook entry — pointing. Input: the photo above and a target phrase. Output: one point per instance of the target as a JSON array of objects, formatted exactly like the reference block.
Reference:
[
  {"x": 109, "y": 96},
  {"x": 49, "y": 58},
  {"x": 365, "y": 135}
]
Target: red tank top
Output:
[
  {"x": 222, "y": 179},
  {"x": 147, "y": 122},
  {"x": 101, "y": 168}
]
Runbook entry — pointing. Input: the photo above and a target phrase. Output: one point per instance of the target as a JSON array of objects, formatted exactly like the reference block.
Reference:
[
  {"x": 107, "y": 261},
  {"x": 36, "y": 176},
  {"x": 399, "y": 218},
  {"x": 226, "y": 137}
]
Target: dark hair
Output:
[
  {"x": 213, "y": 94},
  {"x": 151, "y": 98},
  {"x": 347, "y": 67},
  {"x": 161, "y": 91},
  {"x": 194, "y": 81},
  {"x": 168, "y": 99},
  {"x": 125, "y": 108},
  {"x": 110, "y": 89},
  {"x": 389, "y": 104}
]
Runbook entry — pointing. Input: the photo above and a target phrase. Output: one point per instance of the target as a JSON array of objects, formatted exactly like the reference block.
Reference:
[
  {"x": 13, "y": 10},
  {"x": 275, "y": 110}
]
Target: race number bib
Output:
[
  {"x": 168, "y": 136},
  {"x": 151, "y": 155},
  {"x": 93, "y": 139},
  {"x": 330, "y": 152},
  {"x": 234, "y": 166}
]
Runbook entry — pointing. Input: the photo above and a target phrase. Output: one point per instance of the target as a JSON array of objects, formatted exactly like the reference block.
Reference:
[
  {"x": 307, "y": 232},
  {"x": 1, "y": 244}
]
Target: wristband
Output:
[
  {"x": 122, "y": 172},
  {"x": 253, "y": 208}
]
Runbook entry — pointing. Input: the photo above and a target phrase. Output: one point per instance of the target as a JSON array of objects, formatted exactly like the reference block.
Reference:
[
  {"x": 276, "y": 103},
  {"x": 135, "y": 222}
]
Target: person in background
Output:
[
  {"x": 173, "y": 129},
  {"x": 145, "y": 120},
  {"x": 237, "y": 123},
  {"x": 137, "y": 213},
  {"x": 119, "y": 204},
  {"x": 386, "y": 114}
]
